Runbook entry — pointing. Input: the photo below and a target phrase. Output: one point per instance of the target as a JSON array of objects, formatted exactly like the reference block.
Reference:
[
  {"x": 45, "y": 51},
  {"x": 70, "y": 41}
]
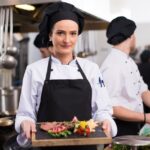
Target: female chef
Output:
[{"x": 62, "y": 86}]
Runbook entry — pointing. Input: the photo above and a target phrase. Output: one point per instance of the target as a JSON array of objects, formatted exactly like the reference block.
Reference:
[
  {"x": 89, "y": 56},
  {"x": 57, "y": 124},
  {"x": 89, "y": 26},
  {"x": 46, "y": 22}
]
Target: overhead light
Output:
[{"x": 26, "y": 7}]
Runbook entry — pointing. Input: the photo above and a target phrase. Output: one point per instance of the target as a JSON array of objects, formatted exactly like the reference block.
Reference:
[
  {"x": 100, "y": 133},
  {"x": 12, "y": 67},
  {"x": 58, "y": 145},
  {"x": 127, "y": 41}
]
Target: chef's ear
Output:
[
  {"x": 50, "y": 40},
  {"x": 50, "y": 35},
  {"x": 132, "y": 36}
]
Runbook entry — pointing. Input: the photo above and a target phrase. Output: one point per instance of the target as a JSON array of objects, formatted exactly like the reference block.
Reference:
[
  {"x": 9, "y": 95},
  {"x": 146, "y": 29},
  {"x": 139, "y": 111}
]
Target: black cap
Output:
[
  {"x": 60, "y": 11},
  {"x": 119, "y": 30},
  {"x": 42, "y": 41}
]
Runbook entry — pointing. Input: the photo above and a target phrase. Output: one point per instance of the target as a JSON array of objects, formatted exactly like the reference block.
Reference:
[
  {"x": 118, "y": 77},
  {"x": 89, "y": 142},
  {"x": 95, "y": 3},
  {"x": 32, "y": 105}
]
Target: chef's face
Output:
[{"x": 64, "y": 36}]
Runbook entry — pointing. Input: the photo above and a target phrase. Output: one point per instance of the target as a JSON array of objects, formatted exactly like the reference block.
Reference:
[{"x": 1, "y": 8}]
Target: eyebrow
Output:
[{"x": 65, "y": 31}]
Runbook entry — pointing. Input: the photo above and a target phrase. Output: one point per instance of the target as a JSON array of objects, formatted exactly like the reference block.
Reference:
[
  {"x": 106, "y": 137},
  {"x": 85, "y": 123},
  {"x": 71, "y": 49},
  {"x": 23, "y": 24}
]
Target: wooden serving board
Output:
[{"x": 42, "y": 139}]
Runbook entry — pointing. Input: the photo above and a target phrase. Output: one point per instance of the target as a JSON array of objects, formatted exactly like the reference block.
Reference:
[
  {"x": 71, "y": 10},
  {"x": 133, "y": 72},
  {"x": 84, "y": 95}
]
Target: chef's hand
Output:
[
  {"x": 147, "y": 119},
  {"x": 27, "y": 127},
  {"x": 106, "y": 126}
]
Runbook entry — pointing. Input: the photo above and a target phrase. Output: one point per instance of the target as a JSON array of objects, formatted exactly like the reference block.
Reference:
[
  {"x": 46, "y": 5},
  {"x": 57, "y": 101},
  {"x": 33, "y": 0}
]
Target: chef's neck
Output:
[
  {"x": 64, "y": 59},
  {"x": 124, "y": 47}
]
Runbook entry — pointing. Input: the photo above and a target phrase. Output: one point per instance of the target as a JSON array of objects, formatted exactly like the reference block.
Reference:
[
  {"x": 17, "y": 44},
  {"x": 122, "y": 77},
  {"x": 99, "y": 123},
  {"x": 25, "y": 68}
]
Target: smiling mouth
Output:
[{"x": 66, "y": 46}]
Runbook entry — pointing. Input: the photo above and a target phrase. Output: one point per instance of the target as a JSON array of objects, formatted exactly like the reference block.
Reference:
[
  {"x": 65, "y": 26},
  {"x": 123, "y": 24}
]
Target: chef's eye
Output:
[
  {"x": 60, "y": 32},
  {"x": 74, "y": 33}
]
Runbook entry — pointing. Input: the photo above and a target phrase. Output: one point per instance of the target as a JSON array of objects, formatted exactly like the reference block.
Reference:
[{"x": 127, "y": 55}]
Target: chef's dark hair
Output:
[
  {"x": 60, "y": 11},
  {"x": 42, "y": 41},
  {"x": 145, "y": 56},
  {"x": 119, "y": 29}
]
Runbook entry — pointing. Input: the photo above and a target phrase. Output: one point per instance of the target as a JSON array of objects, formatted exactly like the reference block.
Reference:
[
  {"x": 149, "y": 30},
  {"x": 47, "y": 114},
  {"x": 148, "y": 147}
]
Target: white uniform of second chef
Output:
[
  {"x": 125, "y": 87},
  {"x": 123, "y": 80}
]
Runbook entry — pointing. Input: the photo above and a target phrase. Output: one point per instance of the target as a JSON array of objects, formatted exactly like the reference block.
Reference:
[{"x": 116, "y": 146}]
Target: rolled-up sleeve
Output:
[{"x": 144, "y": 86}]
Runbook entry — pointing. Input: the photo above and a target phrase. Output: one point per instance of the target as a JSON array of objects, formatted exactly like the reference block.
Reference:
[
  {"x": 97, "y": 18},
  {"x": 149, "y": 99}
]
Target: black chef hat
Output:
[
  {"x": 42, "y": 40},
  {"x": 119, "y": 30},
  {"x": 60, "y": 11}
]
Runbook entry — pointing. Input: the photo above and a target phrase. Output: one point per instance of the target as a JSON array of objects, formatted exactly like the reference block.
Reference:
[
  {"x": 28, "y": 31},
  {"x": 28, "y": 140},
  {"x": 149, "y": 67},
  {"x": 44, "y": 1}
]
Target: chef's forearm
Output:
[
  {"x": 125, "y": 114},
  {"x": 146, "y": 98}
]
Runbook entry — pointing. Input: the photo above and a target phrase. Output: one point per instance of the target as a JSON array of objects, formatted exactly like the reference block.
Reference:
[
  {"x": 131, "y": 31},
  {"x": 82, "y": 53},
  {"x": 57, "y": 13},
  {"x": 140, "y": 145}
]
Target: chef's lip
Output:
[{"x": 66, "y": 46}]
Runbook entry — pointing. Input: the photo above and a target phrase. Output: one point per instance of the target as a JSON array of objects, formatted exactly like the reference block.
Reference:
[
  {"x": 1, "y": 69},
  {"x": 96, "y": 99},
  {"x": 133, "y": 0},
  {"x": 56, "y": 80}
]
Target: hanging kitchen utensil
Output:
[
  {"x": 11, "y": 50},
  {"x": 6, "y": 78},
  {"x": 2, "y": 13},
  {"x": 5, "y": 32},
  {"x": 2, "y": 23},
  {"x": 95, "y": 44},
  {"x": 8, "y": 62},
  {"x": 82, "y": 53},
  {"x": 9, "y": 99},
  {"x": 87, "y": 51}
]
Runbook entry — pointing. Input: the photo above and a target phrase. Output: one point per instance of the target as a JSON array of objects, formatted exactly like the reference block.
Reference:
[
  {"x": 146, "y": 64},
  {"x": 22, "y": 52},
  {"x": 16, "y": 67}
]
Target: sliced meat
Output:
[
  {"x": 69, "y": 125},
  {"x": 47, "y": 125},
  {"x": 54, "y": 127}
]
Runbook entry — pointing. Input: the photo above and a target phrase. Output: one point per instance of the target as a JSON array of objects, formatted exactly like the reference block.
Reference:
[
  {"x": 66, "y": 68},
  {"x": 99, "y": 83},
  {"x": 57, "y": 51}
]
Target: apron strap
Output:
[
  {"x": 48, "y": 69},
  {"x": 81, "y": 71}
]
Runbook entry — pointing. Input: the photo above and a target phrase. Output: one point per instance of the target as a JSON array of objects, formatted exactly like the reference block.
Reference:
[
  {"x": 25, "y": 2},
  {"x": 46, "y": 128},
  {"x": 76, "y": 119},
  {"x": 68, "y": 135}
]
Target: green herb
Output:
[{"x": 64, "y": 133}]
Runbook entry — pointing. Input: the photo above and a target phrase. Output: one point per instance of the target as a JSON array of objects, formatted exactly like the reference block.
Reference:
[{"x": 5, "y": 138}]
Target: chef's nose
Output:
[{"x": 66, "y": 38}]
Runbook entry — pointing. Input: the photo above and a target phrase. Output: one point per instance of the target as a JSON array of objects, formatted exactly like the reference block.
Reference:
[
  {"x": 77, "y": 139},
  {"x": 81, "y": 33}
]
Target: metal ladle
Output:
[
  {"x": 11, "y": 50},
  {"x": 8, "y": 62},
  {"x": 2, "y": 14}
]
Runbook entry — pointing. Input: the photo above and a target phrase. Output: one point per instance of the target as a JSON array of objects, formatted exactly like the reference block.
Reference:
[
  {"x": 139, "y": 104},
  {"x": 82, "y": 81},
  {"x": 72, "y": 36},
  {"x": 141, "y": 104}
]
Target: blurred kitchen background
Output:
[
  {"x": 19, "y": 27},
  {"x": 98, "y": 14},
  {"x": 93, "y": 40}
]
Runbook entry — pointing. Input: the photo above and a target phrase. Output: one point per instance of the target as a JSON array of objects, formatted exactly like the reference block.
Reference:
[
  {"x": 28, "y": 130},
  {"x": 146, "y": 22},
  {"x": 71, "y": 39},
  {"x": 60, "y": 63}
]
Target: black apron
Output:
[
  {"x": 127, "y": 128},
  {"x": 61, "y": 100}
]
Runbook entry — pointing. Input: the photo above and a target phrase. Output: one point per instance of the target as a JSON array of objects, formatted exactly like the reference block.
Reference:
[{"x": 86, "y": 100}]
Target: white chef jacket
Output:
[
  {"x": 33, "y": 83},
  {"x": 123, "y": 80}
]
